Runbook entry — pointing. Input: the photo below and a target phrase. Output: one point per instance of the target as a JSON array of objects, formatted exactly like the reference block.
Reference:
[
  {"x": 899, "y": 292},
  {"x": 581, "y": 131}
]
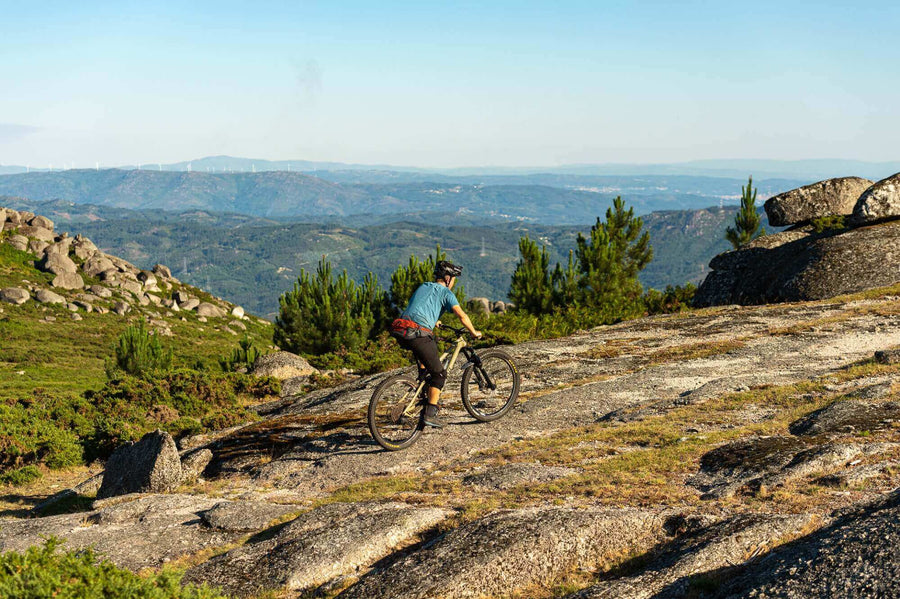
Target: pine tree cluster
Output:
[{"x": 601, "y": 274}]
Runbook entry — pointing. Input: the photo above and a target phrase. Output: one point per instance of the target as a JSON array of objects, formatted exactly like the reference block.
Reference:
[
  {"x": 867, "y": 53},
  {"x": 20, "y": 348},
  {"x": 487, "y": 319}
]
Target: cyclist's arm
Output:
[{"x": 466, "y": 322}]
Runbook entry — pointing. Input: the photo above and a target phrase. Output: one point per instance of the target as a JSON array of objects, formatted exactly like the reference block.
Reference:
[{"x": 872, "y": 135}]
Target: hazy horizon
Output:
[{"x": 455, "y": 86}]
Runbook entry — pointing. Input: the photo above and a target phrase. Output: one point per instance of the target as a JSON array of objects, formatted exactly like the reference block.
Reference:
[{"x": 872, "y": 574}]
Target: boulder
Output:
[
  {"x": 210, "y": 310},
  {"x": 97, "y": 264},
  {"x": 100, "y": 291},
  {"x": 57, "y": 264},
  {"x": 320, "y": 546},
  {"x": 121, "y": 308},
  {"x": 189, "y": 304},
  {"x": 237, "y": 312},
  {"x": 797, "y": 266},
  {"x": 3, "y": 212},
  {"x": 147, "y": 278},
  {"x": 83, "y": 247},
  {"x": 151, "y": 465},
  {"x": 58, "y": 248},
  {"x": 37, "y": 247},
  {"x": 194, "y": 463},
  {"x": 14, "y": 218},
  {"x": 68, "y": 281},
  {"x": 135, "y": 288},
  {"x": 855, "y": 556},
  {"x": 14, "y": 295},
  {"x": 41, "y": 221},
  {"x": 182, "y": 296},
  {"x": 880, "y": 201},
  {"x": 281, "y": 365},
  {"x": 162, "y": 271},
  {"x": 19, "y": 242},
  {"x": 480, "y": 305},
  {"x": 713, "y": 546},
  {"x": 825, "y": 198},
  {"x": 37, "y": 232},
  {"x": 45, "y": 296}
]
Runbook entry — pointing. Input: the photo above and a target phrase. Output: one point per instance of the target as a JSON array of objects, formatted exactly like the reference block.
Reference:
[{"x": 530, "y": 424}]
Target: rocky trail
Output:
[{"x": 643, "y": 459}]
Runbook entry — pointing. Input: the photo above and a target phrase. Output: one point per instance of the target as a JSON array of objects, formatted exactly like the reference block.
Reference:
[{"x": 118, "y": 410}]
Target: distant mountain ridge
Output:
[
  {"x": 546, "y": 199},
  {"x": 806, "y": 170}
]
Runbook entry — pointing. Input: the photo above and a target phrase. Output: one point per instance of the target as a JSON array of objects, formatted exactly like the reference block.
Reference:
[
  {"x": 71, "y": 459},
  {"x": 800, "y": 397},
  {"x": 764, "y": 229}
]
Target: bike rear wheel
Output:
[
  {"x": 489, "y": 390},
  {"x": 393, "y": 423}
]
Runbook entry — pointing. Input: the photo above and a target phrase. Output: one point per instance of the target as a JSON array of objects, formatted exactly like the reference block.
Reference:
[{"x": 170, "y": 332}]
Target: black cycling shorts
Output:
[{"x": 426, "y": 352}]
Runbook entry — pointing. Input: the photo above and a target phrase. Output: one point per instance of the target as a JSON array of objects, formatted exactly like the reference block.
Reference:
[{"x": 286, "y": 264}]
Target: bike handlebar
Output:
[{"x": 459, "y": 332}]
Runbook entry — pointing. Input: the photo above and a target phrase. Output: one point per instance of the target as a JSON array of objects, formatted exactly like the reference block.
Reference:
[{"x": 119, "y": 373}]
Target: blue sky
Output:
[{"x": 447, "y": 84}]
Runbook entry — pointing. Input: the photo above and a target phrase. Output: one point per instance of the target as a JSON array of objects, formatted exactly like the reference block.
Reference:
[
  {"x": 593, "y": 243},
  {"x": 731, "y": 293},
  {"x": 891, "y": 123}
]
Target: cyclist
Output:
[{"x": 413, "y": 330}]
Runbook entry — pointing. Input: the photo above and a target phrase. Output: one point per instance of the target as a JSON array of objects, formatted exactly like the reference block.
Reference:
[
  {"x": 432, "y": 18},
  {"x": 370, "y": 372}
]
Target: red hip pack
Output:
[{"x": 402, "y": 328}]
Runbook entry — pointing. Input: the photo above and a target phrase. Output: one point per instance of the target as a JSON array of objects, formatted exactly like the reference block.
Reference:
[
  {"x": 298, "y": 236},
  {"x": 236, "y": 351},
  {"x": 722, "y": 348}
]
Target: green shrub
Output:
[
  {"x": 63, "y": 431},
  {"x": 182, "y": 402},
  {"x": 833, "y": 222},
  {"x": 376, "y": 355},
  {"x": 33, "y": 432},
  {"x": 21, "y": 476},
  {"x": 42, "y": 572},
  {"x": 139, "y": 353},
  {"x": 673, "y": 299},
  {"x": 242, "y": 357}
]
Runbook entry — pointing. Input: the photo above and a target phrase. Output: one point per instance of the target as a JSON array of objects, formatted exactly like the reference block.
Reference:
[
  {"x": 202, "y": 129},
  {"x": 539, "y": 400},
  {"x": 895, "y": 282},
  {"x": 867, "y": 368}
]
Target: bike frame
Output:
[{"x": 448, "y": 359}]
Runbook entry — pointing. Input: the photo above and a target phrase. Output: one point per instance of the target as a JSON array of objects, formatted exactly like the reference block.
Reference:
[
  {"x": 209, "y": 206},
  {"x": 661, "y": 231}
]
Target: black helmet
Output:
[{"x": 446, "y": 269}]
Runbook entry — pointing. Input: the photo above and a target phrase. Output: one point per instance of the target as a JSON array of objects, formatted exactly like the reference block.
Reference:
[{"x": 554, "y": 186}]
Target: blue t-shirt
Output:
[{"x": 428, "y": 303}]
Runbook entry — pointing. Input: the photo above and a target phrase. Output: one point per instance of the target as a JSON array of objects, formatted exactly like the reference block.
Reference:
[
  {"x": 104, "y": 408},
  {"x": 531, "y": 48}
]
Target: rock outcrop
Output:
[
  {"x": 76, "y": 262},
  {"x": 151, "y": 465},
  {"x": 802, "y": 265},
  {"x": 507, "y": 552},
  {"x": 854, "y": 557},
  {"x": 825, "y": 198},
  {"x": 282, "y": 365},
  {"x": 880, "y": 201},
  {"x": 333, "y": 541}
]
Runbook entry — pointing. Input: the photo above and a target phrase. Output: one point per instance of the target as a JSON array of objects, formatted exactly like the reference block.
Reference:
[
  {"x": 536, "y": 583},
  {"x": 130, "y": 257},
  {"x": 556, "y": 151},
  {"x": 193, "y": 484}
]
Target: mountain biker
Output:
[{"x": 413, "y": 330}]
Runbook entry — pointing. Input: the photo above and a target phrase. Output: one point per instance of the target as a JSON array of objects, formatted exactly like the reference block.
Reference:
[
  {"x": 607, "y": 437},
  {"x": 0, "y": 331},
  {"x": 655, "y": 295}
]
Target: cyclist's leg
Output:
[{"x": 426, "y": 352}]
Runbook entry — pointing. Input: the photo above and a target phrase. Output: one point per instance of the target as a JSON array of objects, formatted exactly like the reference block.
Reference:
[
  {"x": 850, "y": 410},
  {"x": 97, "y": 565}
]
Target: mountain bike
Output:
[{"x": 489, "y": 388}]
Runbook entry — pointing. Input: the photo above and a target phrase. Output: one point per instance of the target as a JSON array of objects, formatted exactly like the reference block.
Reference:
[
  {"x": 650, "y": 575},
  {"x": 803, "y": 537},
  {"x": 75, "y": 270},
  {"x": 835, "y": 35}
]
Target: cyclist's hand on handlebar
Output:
[
  {"x": 477, "y": 334},
  {"x": 438, "y": 324}
]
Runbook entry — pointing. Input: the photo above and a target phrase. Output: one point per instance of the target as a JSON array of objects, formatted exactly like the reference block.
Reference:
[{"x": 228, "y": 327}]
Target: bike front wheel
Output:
[
  {"x": 394, "y": 413},
  {"x": 489, "y": 389}
]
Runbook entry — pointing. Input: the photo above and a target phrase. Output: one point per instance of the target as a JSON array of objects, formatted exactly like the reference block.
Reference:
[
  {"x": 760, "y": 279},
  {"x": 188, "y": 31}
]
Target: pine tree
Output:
[
  {"x": 611, "y": 259},
  {"x": 323, "y": 314},
  {"x": 565, "y": 283},
  {"x": 747, "y": 223},
  {"x": 531, "y": 288}
]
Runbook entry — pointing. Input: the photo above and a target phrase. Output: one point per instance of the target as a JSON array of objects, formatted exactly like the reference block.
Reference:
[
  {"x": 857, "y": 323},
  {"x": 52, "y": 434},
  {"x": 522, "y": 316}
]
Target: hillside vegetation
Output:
[{"x": 251, "y": 261}]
